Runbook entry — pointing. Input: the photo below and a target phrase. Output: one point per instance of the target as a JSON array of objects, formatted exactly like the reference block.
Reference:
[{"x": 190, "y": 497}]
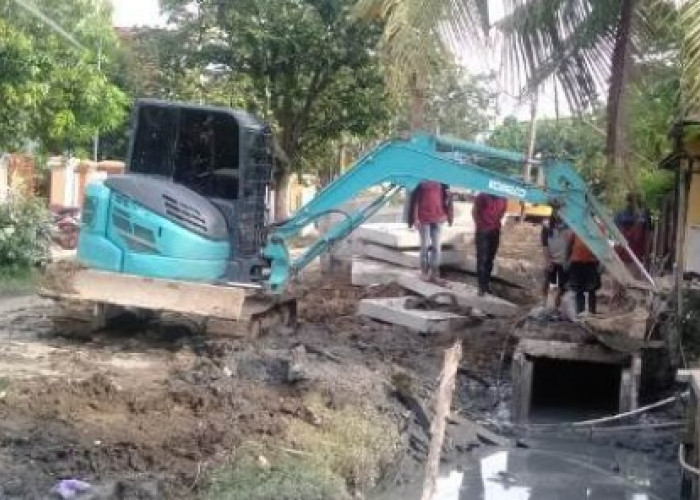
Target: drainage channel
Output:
[{"x": 555, "y": 384}]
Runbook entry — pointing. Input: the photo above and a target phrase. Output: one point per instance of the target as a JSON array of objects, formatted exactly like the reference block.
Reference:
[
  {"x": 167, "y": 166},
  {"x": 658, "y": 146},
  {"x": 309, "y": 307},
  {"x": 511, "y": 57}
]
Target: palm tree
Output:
[
  {"x": 581, "y": 44},
  {"x": 689, "y": 27}
]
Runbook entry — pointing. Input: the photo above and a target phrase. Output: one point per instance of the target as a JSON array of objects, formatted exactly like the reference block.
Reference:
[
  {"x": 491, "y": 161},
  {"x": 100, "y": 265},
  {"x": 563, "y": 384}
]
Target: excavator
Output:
[{"x": 185, "y": 229}]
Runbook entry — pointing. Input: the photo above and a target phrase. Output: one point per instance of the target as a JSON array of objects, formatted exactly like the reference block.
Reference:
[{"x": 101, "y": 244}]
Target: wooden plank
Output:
[
  {"x": 156, "y": 294},
  {"x": 571, "y": 352},
  {"x": 464, "y": 294},
  {"x": 522, "y": 388},
  {"x": 442, "y": 411}
]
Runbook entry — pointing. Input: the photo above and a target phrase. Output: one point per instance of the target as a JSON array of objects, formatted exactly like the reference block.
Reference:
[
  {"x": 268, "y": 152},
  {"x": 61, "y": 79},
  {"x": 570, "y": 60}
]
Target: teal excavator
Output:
[{"x": 188, "y": 224}]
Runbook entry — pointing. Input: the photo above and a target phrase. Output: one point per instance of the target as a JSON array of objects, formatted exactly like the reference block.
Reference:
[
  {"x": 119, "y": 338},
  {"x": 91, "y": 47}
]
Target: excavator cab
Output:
[{"x": 192, "y": 203}]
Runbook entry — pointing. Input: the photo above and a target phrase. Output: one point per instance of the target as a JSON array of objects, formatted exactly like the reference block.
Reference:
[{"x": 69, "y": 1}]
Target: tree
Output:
[
  {"x": 577, "y": 43},
  {"x": 303, "y": 66},
  {"x": 653, "y": 92},
  {"x": 455, "y": 103},
  {"x": 52, "y": 91}
]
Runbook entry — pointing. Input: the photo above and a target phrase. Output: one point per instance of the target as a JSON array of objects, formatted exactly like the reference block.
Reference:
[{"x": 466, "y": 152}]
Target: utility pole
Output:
[
  {"x": 531, "y": 136},
  {"x": 96, "y": 141}
]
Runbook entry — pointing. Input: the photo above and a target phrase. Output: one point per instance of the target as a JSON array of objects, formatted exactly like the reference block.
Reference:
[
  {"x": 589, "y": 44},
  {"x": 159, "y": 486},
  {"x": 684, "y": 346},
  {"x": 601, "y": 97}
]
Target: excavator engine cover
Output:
[{"x": 192, "y": 204}]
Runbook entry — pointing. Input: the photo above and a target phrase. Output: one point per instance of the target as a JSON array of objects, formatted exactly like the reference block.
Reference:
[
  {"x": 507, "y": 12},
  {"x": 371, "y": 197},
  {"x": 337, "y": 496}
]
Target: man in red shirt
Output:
[
  {"x": 430, "y": 208},
  {"x": 488, "y": 211}
]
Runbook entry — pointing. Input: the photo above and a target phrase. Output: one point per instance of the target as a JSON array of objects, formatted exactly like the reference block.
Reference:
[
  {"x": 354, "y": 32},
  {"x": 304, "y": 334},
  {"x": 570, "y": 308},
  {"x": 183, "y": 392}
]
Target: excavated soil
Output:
[
  {"x": 156, "y": 411},
  {"x": 159, "y": 409}
]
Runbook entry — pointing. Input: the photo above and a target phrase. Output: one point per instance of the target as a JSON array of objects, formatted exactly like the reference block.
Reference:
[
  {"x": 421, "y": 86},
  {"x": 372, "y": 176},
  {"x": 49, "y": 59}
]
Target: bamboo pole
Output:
[{"x": 442, "y": 409}]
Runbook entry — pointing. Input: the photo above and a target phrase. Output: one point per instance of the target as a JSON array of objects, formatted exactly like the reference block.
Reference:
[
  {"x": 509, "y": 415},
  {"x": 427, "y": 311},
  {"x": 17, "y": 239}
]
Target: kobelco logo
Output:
[{"x": 508, "y": 189}]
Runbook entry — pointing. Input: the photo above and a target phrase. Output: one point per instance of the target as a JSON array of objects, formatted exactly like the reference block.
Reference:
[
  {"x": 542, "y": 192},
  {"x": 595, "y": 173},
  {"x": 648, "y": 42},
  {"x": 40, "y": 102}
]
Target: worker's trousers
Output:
[
  {"x": 486, "y": 248},
  {"x": 430, "y": 246}
]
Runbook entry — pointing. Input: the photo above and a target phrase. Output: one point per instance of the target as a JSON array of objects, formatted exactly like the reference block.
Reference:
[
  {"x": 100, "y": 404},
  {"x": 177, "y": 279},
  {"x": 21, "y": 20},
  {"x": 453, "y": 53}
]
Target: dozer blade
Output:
[{"x": 225, "y": 308}]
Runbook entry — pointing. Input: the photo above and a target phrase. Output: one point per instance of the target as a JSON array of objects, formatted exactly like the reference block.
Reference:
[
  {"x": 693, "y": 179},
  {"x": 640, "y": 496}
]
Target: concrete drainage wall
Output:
[{"x": 571, "y": 378}]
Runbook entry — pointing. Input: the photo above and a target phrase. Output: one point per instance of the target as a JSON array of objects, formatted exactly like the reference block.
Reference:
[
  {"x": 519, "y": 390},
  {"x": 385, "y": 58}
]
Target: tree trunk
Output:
[
  {"x": 282, "y": 181},
  {"x": 417, "y": 96},
  {"x": 617, "y": 109}
]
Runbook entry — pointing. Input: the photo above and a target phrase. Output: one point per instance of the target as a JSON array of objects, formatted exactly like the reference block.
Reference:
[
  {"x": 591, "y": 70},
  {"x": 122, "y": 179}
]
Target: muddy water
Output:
[{"x": 595, "y": 473}]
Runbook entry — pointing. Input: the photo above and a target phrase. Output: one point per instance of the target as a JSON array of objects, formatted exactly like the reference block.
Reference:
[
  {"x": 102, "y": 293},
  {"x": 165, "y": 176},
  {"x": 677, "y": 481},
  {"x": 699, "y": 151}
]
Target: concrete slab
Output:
[
  {"x": 570, "y": 351},
  {"x": 410, "y": 258},
  {"x": 392, "y": 310},
  {"x": 366, "y": 272},
  {"x": 399, "y": 235},
  {"x": 530, "y": 351},
  {"x": 466, "y": 295}
]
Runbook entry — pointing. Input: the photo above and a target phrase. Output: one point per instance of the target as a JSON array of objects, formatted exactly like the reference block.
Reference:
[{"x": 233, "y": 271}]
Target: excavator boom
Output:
[{"x": 404, "y": 163}]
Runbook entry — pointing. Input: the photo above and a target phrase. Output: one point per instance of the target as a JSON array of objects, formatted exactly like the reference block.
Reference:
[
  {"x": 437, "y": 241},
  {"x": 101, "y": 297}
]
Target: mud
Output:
[
  {"x": 149, "y": 411},
  {"x": 160, "y": 409}
]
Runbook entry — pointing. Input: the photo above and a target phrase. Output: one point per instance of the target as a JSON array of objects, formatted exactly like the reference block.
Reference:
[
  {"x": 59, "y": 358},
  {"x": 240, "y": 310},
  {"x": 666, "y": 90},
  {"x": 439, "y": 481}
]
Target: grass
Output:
[
  {"x": 287, "y": 477},
  {"x": 347, "y": 451},
  {"x": 18, "y": 281},
  {"x": 355, "y": 443}
]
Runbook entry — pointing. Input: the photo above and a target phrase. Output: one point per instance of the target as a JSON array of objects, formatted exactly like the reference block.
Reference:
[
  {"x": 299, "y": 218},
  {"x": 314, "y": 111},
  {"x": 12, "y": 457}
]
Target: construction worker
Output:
[
  {"x": 555, "y": 238},
  {"x": 430, "y": 207},
  {"x": 584, "y": 274},
  {"x": 634, "y": 223},
  {"x": 488, "y": 211}
]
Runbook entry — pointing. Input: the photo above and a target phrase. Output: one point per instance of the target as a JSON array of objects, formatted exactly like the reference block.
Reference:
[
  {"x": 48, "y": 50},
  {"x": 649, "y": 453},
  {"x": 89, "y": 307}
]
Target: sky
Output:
[{"x": 136, "y": 13}]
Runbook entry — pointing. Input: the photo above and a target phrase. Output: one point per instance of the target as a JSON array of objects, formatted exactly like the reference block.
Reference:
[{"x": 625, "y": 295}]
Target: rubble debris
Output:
[{"x": 632, "y": 324}]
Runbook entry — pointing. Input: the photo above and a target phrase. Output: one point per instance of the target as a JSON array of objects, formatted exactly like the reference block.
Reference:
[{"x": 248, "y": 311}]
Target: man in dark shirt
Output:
[
  {"x": 488, "y": 211},
  {"x": 634, "y": 222},
  {"x": 431, "y": 207}
]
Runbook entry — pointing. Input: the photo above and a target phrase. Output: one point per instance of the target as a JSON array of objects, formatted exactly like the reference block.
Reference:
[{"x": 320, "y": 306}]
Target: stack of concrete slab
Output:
[{"x": 389, "y": 250}]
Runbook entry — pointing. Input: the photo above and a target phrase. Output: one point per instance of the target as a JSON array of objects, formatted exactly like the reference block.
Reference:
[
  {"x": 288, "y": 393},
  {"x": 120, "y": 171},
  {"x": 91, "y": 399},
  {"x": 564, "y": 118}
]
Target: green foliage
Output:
[
  {"x": 572, "y": 139},
  {"x": 652, "y": 106},
  {"x": 14, "y": 282},
  {"x": 303, "y": 66},
  {"x": 24, "y": 237},
  {"x": 357, "y": 444},
  {"x": 456, "y": 103},
  {"x": 50, "y": 86}
]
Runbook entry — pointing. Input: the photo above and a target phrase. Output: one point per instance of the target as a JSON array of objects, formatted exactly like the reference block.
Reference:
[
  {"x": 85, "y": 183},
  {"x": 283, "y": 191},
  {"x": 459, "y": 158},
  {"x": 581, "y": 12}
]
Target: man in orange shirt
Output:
[{"x": 584, "y": 277}]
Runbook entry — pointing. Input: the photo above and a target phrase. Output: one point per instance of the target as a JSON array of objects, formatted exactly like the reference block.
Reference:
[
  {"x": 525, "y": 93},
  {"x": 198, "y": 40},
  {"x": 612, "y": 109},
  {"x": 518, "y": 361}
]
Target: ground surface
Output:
[{"x": 157, "y": 411}]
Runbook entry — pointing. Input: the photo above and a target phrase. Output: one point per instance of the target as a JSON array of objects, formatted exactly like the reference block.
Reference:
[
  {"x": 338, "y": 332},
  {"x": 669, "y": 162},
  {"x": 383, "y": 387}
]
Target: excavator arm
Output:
[{"x": 404, "y": 163}]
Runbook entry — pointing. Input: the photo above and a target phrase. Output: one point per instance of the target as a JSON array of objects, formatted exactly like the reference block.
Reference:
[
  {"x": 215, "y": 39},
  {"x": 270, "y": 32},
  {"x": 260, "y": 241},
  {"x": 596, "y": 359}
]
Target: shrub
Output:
[{"x": 24, "y": 233}]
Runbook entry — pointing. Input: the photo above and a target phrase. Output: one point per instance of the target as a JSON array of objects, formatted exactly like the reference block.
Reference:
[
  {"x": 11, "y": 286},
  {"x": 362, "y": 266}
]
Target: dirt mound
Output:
[
  {"x": 95, "y": 429},
  {"x": 323, "y": 300},
  {"x": 521, "y": 240}
]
